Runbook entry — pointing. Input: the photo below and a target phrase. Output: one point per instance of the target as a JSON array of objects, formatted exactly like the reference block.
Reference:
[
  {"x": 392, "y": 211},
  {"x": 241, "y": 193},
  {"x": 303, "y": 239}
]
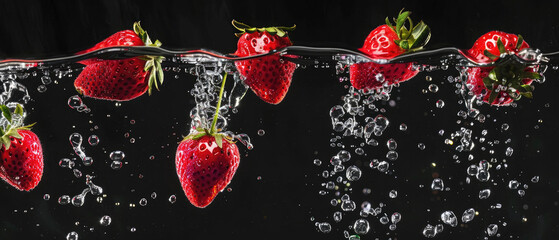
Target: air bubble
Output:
[{"x": 105, "y": 221}]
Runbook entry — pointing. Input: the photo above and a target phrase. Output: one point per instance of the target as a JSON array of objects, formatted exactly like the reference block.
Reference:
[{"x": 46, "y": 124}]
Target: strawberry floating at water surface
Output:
[
  {"x": 269, "y": 77},
  {"x": 386, "y": 42},
  {"x": 502, "y": 84},
  {"x": 206, "y": 161},
  {"x": 122, "y": 79},
  {"x": 21, "y": 154}
]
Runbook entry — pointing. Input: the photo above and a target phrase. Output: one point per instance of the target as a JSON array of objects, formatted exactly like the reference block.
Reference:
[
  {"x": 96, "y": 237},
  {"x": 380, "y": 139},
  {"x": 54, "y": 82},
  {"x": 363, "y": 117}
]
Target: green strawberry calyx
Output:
[
  {"x": 153, "y": 63},
  {"x": 244, "y": 28},
  {"x": 213, "y": 131},
  {"x": 14, "y": 123},
  {"x": 510, "y": 75},
  {"x": 412, "y": 38}
]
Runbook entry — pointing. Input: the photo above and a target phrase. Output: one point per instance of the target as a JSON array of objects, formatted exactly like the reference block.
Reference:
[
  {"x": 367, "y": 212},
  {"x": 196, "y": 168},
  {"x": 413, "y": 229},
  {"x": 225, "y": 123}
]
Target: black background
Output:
[{"x": 281, "y": 204}]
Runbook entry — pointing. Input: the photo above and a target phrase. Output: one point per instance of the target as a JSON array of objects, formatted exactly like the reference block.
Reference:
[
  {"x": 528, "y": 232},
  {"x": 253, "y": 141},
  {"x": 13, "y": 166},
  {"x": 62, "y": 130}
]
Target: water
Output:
[{"x": 418, "y": 158}]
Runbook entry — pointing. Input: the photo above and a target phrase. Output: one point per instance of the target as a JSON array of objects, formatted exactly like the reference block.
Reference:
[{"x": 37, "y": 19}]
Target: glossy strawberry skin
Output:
[
  {"x": 488, "y": 42},
  {"x": 22, "y": 164},
  {"x": 269, "y": 77},
  {"x": 476, "y": 75},
  {"x": 121, "y": 38},
  {"x": 380, "y": 44},
  {"x": 204, "y": 169},
  {"x": 119, "y": 80}
]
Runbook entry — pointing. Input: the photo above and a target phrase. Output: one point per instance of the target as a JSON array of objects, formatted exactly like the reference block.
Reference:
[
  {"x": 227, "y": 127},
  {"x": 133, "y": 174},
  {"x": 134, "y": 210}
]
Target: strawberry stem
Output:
[{"x": 214, "y": 122}]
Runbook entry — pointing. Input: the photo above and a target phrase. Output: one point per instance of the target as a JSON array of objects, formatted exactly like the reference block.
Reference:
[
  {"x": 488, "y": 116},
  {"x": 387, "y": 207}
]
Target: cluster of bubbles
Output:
[
  {"x": 78, "y": 200},
  {"x": 206, "y": 89},
  {"x": 358, "y": 127},
  {"x": 471, "y": 143},
  {"x": 13, "y": 93},
  {"x": 358, "y": 119}
]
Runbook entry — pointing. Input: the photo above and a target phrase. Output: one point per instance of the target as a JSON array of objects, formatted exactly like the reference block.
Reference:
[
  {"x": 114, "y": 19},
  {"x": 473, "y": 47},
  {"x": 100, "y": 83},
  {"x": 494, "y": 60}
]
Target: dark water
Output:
[{"x": 279, "y": 190}]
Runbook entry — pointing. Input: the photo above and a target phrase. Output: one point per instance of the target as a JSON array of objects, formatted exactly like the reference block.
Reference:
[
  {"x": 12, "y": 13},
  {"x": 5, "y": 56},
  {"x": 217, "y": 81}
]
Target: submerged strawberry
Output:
[
  {"x": 502, "y": 84},
  {"x": 204, "y": 168},
  {"x": 269, "y": 77},
  {"x": 122, "y": 79},
  {"x": 386, "y": 42},
  {"x": 206, "y": 161},
  {"x": 21, "y": 154}
]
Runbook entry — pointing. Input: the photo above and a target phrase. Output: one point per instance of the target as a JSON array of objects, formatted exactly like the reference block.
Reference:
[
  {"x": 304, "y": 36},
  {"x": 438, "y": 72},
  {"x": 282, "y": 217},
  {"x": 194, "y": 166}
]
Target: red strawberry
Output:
[
  {"x": 386, "y": 42},
  {"x": 488, "y": 42},
  {"x": 122, "y": 38},
  {"x": 269, "y": 77},
  {"x": 21, "y": 154},
  {"x": 205, "y": 162},
  {"x": 204, "y": 168},
  {"x": 502, "y": 84},
  {"x": 123, "y": 79}
]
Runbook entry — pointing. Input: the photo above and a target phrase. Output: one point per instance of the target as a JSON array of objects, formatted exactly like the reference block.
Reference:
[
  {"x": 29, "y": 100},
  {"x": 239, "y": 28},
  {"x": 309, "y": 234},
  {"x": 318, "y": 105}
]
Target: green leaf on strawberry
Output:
[
  {"x": 412, "y": 38},
  {"x": 12, "y": 128},
  {"x": 244, "y": 28},
  {"x": 153, "y": 63}
]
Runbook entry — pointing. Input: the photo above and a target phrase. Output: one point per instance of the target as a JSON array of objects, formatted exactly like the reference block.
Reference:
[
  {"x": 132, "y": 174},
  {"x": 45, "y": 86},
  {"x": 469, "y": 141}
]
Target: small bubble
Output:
[
  {"x": 87, "y": 161},
  {"x": 116, "y": 165},
  {"x": 484, "y": 194},
  {"x": 117, "y": 155},
  {"x": 317, "y": 162},
  {"x": 433, "y": 88},
  {"x": 132, "y": 229},
  {"x": 77, "y": 173},
  {"x": 439, "y": 103},
  {"x": 324, "y": 227},
  {"x": 42, "y": 88},
  {"x": 93, "y": 140},
  {"x": 396, "y": 217},
  {"x": 173, "y": 199},
  {"x": 437, "y": 184},
  {"x": 492, "y": 229},
  {"x": 393, "y": 194},
  {"x": 72, "y": 236},
  {"x": 46, "y": 197},
  {"x": 105, "y": 220},
  {"x": 143, "y": 202},
  {"x": 403, "y": 127},
  {"x": 449, "y": 218},
  {"x": 261, "y": 132},
  {"x": 64, "y": 199},
  {"x": 46, "y": 80}
]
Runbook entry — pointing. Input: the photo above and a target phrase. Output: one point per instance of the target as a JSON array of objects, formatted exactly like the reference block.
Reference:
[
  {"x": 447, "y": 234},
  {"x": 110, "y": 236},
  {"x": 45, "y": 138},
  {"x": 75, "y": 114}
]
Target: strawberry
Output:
[
  {"x": 269, "y": 77},
  {"x": 21, "y": 154},
  {"x": 487, "y": 45},
  {"x": 206, "y": 161},
  {"x": 501, "y": 84},
  {"x": 204, "y": 168},
  {"x": 122, "y": 79},
  {"x": 386, "y": 42}
]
